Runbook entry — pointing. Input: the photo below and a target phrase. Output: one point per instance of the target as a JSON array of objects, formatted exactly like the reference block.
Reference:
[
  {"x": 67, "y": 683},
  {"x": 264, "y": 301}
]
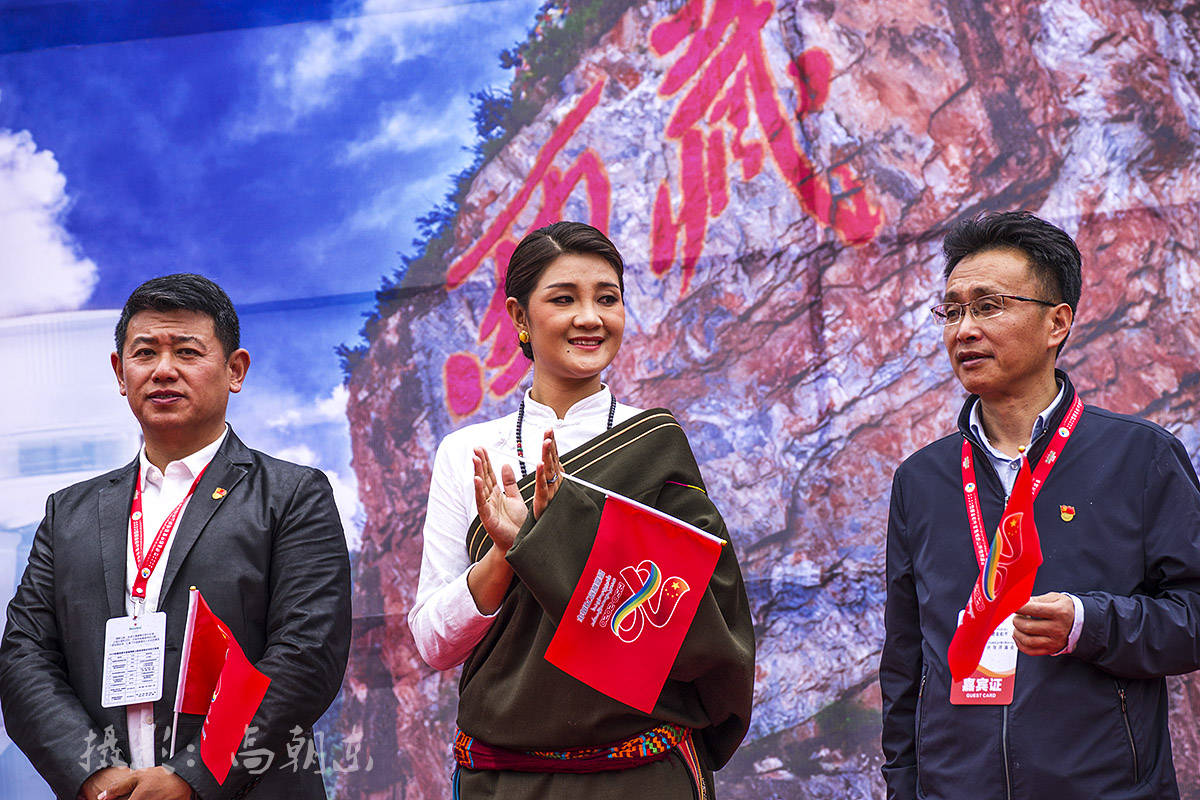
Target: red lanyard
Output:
[
  {"x": 971, "y": 489},
  {"x": 146, "y": 565}
]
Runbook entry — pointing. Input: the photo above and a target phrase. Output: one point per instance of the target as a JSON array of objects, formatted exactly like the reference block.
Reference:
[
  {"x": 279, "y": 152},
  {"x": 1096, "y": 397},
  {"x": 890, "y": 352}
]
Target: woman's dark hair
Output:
[
  {"x": 539, "y": 249},
  {"x": 183, "y": 292}
]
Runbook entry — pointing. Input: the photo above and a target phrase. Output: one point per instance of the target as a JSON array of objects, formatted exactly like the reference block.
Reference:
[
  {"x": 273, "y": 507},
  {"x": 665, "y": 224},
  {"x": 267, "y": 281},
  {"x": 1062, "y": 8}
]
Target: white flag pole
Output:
[
  {"x": 184, "y": 656},
  {"x": 610, "y": 493}
]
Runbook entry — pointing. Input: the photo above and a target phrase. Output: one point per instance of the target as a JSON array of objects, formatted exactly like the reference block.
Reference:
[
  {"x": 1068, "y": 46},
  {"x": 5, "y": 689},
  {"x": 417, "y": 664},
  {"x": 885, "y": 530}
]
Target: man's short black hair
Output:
[
  {"x": 183, "y": 291},
  {"x": 1052, "y": 254}
]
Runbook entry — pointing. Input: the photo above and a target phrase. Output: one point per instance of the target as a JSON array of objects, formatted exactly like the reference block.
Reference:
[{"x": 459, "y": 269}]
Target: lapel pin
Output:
[
  {"x": 1067, "y": 513},
  {"x": 218, "y": 493}
]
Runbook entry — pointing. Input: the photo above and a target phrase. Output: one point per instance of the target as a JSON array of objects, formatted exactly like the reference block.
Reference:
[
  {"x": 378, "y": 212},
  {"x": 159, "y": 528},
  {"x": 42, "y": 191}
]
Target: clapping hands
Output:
[
  {"x": 549, "y": 474},
  {"x": 501, "y": 508}
]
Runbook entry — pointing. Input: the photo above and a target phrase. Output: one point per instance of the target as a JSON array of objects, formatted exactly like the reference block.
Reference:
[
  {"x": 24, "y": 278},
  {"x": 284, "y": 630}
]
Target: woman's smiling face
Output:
[{"x": 575, "y": 318}]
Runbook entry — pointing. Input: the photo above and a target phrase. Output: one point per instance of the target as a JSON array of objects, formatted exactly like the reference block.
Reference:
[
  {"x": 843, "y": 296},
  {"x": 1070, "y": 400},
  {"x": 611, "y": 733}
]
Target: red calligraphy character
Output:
[
  {"x": 547, "y": 189},
  {"x": 729, "y": 85}
]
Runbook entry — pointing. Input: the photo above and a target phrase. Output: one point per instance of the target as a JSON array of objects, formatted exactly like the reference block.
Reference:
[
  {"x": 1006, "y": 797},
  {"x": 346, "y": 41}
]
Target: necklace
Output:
[{"x": 612, "y": 412}]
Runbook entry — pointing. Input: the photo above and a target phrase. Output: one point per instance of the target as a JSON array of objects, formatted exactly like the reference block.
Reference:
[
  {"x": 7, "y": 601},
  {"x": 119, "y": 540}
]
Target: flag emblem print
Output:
[
  {"x": 654, "y": 600},
  {"x": 1006, "y": 549}
]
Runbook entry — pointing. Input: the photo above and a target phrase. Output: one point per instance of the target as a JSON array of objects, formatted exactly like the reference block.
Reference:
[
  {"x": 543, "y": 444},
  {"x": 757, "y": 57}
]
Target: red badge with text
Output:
[{"x": 992, "y": 682}]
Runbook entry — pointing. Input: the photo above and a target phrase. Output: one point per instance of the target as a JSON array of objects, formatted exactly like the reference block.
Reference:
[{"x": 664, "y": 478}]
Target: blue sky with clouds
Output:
[
  {"x": 302, "y": 151},
  {"x": 286, "y": 161}
]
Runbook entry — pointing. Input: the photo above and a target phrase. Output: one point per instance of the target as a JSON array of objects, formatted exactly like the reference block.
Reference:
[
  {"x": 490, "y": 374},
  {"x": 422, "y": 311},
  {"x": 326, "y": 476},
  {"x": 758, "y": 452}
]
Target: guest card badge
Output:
[
  {"x": 992, "y": 682},
  {"x": 133, "y": 659}
]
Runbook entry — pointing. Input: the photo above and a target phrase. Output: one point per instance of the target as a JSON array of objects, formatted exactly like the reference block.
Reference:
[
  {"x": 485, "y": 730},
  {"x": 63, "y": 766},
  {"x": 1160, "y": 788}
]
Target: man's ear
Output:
[
  {"x": 1061, "y": 320},
  {"x": 239, "y": 364},
  {"x": 116, "y": 365}
]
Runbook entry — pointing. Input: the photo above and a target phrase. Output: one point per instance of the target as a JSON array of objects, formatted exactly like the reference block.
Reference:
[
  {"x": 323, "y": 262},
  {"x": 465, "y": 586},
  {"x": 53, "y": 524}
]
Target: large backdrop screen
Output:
[{"x": 778, "y": 176}]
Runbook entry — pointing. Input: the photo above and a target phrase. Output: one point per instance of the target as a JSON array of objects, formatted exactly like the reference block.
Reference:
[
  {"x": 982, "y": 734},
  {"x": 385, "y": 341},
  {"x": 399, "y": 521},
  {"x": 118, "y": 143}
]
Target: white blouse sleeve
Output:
[{"x": 444, "y": 620}]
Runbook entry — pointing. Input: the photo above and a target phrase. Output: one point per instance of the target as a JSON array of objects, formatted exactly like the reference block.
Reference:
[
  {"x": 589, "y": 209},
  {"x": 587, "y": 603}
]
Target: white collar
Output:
[
  {"x": 1039, "y": 425},
  {"x": 192, "y": 463},
  {"x": 594, "y": 405}
]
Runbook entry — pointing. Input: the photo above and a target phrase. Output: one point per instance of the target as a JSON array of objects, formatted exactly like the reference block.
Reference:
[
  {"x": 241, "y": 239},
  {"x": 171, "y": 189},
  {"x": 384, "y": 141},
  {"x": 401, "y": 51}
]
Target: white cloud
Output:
[
  {"x": 409, "y": 128},
  {"x": 298, "y": 454},
  {"x": 300, "y": 423},
  {"x": 43, "y": 269},
  {"x": 334, "y": 406},
  {"x": 327, "y": 409},
  {"x": 305, "y": 73},
  {"x": 404, "y": 130}
]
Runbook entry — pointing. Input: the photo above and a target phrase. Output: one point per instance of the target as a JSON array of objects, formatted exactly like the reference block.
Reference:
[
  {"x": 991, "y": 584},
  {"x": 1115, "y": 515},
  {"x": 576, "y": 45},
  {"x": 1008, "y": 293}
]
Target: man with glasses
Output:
[{"x": 1116, "y": 603}]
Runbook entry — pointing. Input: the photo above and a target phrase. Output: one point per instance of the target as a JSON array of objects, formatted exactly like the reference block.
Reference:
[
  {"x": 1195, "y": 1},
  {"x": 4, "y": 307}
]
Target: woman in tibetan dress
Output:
[{"x": 504, "y": 549}]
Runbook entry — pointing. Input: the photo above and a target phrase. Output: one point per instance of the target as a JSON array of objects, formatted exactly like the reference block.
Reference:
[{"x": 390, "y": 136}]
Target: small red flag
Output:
[
  {"x": 1006, "y": 581},
  {"x": 217, "y": 680},
  {"x": 634, "y": 603}
]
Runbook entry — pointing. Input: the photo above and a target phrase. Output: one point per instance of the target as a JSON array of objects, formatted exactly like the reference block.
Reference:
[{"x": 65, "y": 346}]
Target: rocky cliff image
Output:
[{"x": 779, "y": 177}]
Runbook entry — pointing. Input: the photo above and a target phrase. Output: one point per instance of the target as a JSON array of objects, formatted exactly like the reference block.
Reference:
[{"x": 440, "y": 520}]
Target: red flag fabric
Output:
[
  {"x": 217, "y": 680},
  {"x": 1006, "y": 581},
  {"x": 634, "y": 603},
  {"x": 204, "y": 648}
]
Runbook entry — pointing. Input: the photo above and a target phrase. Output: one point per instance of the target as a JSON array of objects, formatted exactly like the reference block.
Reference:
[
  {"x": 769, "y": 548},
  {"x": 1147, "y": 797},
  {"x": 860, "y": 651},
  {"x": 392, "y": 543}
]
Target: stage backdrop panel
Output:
[{"x": 779, "y": 176}]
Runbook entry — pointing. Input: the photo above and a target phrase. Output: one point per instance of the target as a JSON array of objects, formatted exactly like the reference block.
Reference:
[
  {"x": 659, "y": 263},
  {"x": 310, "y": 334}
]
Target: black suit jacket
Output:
[{"x": 270, "y": 559}]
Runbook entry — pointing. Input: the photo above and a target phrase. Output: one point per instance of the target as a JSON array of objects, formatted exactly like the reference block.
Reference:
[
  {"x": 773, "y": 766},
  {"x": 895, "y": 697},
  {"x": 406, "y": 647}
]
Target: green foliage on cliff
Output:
[{"x": 562, "y": 30}]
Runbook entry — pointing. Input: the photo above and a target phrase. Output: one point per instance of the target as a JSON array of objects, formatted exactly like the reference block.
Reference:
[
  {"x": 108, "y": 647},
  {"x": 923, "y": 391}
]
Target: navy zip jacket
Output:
[{"x": 1092, "y": 724}]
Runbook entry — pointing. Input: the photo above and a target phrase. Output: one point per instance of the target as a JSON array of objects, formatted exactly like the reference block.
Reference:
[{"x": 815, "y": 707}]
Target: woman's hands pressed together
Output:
[
  {"x": 500, "y": 507},
  {"x": 549, "y": 475},
  {"x": 502, "y": 512}
]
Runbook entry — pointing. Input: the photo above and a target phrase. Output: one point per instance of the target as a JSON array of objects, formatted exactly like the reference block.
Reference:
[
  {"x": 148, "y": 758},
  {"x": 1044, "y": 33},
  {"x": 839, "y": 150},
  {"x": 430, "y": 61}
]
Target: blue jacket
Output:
[{"x": 1090, "y": 725}]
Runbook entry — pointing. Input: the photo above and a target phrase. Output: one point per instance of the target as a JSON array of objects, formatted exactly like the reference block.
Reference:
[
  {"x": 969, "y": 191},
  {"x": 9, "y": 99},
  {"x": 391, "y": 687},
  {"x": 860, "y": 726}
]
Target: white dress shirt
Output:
[
  {"x": 1007, "y": 469},
  {"x": 444, "y": 620},
  {"x": 162, "y": 490}
]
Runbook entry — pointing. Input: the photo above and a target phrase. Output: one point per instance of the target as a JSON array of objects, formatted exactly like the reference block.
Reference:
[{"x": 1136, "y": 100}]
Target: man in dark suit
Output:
[{"x": 260, "y": 538}]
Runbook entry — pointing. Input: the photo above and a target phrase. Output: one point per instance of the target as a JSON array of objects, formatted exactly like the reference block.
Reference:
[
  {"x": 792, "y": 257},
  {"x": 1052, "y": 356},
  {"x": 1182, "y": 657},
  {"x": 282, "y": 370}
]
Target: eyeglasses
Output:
[{"x": 989, "y": 306}]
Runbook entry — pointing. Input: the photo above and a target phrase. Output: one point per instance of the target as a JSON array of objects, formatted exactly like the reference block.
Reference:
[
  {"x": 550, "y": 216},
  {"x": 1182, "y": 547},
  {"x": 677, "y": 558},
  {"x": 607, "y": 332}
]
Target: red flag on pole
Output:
[
  {"x": 634, "y": 603},
  {"x": 1006, "y": 581},
  {"x": 217, "y": 680}
]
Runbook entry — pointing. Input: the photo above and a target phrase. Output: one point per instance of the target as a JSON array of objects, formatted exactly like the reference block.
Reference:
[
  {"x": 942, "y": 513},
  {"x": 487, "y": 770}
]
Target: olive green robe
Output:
[{"x": 511, "y": 697}]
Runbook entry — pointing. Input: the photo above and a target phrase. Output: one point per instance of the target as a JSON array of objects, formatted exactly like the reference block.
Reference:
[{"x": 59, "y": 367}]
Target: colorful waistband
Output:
[{"x": 645, "y": 748}]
